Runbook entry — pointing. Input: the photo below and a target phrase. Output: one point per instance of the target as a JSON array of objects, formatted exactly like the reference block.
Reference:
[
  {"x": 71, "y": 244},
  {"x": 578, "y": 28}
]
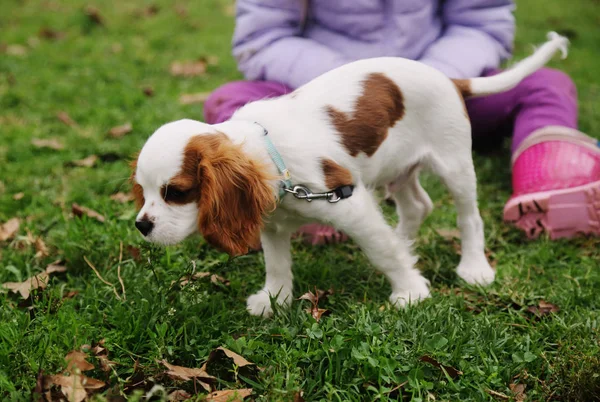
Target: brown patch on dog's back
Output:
[
  {"x": 464, "y": 87},
  {"x": 335, "y": 175},
  {"x": 379, "y": 107}
]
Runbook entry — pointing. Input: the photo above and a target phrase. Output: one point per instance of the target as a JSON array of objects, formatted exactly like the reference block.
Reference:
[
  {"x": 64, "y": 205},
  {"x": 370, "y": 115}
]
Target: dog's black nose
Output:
[{"x": 144, "y": 226}]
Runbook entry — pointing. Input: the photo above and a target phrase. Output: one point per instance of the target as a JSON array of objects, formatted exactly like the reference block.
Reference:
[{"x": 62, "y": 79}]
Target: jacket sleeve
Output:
[
  {"x": 268, "y": 45},
  {"x": 478, "y": 35}
]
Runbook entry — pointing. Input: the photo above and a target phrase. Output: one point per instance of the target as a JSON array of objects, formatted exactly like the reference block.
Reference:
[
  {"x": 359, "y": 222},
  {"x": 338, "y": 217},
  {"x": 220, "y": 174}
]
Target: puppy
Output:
[{"x": 315, "y": 155}]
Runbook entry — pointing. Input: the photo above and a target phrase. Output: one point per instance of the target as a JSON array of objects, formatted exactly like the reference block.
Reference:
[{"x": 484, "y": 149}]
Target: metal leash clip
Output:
[{"x": 304, "y": 193}]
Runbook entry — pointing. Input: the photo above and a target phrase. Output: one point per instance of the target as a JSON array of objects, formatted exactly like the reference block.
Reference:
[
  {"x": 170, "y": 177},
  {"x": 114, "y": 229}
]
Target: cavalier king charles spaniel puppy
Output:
[{"x": 316, "y": 154}]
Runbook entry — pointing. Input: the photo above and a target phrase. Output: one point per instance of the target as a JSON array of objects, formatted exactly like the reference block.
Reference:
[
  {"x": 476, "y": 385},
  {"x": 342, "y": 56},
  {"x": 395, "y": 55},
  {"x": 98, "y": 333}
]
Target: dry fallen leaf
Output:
[
  {"x": 543, "y": 308},
  {"x": 39, "y": 281},
  {"x": 188, "y": 99},
  {"x": 76, "y": 361},
  {"x": 41, "y": 250},
  {"x": 94, "y": 15},
  {"x": 233, "y": 395},
  {"x": 317, "y": 313},
  {"x": 188, "y": 68},
  {"x": 134, "y": 252},
  {"x": 79, "y": 211},
  {"x": 122, "y": 197},
  {"x": 315, "y": 297},
  {"x": 237, "y": 359},
  {"x": 190, "y": 278},
  {"x": 9, "y": 229},
  {"x": 65, "y": 118},
  {"x": 452, "y": 372},
  {"x": 150, "y": 10},
  {"x": 148, "y": 91},
  {"x": 16, "y": 50},
  {"x": 49, "y": 33},
  {"x": 497, "y": 394},
  {"x": 70, "y": 294},
  {"x": 71, "y": 386},
  {"x": 52, "y": 143},
  {"x": 519, "y": 391},
  {"x": 120, "y": 131},
  {"x": 188, "y": 374},
  {"x": 90, "y": 161},
  {"x": 449, "y": 234},
  {"x": 18, "y": 196},
  {"x": 178, "y": 395},
  {"x": 216, "y": 279}
]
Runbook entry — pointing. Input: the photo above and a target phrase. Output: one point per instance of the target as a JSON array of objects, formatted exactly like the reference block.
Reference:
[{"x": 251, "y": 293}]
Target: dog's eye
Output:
[{"x": 175, "y": 194}]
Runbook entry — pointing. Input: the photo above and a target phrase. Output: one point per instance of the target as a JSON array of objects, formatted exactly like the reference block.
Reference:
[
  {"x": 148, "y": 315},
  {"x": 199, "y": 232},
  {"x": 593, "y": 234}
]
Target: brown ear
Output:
[
  {"x": 234, "y": 194},
  {"x": 136, "y": 190}
]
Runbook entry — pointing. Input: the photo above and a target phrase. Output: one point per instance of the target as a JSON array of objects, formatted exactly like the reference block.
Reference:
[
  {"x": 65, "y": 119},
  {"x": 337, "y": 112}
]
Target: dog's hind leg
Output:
[
  {"x": 459, "y": 177},
  {"x": 413, "y": 204}
]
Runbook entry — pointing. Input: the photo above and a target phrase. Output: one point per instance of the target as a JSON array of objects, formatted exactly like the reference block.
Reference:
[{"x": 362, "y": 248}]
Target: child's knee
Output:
[{"x": 548, "y": 78}]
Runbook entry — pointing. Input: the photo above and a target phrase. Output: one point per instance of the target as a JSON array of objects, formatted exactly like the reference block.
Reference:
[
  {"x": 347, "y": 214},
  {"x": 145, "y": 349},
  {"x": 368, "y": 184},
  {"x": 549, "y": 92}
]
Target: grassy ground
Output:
[{"x": 364, "y": 349}]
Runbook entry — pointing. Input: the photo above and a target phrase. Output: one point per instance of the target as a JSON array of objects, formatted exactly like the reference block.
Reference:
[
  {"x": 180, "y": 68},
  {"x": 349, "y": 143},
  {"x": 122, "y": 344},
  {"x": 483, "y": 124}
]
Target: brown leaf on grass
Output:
[
  {"x": 181, "y": 10},
  {"x": 237, "y": 359},
  {"x": 41, "y": 250},
  {"x": 543, "y": 308},
  {"x": 452, "y": 372},
  {"x": 449, "y": 234},
  {"x": 497, "y": 394},
  {"x": 55, "y": 267},
  {"x": 187, "y": 374},
  {"x": 101, "y": 353},
  {"x": 66, "y": 119},
  {"x": 79, "y": 211},
  {"x": 9, "y": 229},
  {"x": 70, "y": 294},
  {"x": 49, "y": 33},
  {"x": 299, "y": 396},
  {"x": 89, "y": 162},
  {"x": 519, "y": 391},
  {"x": 121, "y": 197},
  {"x": 94, "y": 15},
  {"x": 134, "y": 252},
  {"x": 149, "y": 10},
  {"x": 148, "y": 91},
  {"x": 76, "y": 361},
  {"x": 315, "y": 297},
  {"x": 188, "y": 68},
  {"x": 317, "y": 313},
  {"x": 224, "y": 364},
  {"x": 216, "y": 279},
  {"x": 51, "y": 143},
  {"x": 71, "y": 386},
  {"x": 179, "y": 395},
  {"x": 120, "y": 131},
  {"x": 190, "y": 278},
  {"x": 18, "y": 196},
  {"x": 233, "y": 395},
  {"x": 16, "y": 50},
  {"x": 188, "y": 99},
  {"x": 39, "y": 281}
]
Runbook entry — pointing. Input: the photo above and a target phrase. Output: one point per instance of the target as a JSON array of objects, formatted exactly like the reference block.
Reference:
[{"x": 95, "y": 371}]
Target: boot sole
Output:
[{"x": 559, "y": 213}]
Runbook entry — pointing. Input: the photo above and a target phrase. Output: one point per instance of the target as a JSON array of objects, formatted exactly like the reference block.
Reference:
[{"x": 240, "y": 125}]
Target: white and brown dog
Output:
[{"x": 370, "y": 123}]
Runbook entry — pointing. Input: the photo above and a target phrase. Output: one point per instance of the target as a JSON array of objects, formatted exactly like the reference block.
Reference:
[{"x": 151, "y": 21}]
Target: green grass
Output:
[{"x": 364, "y": 348}]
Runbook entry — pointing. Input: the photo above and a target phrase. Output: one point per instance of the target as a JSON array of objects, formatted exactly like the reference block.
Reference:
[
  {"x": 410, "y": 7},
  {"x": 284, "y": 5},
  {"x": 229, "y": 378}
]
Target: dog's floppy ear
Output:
[
  {"x": 234, "y": 194},
  {"x": 136, "y": 189}
]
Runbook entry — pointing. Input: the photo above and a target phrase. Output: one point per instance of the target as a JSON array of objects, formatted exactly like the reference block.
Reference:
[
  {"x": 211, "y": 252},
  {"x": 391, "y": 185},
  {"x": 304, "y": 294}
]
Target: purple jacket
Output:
[{"x": 294, "y": 41}]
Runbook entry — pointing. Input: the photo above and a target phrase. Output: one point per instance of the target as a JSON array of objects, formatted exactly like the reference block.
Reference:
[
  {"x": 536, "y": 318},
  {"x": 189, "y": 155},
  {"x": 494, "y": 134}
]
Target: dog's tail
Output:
[{"x": 512, "y": 77}]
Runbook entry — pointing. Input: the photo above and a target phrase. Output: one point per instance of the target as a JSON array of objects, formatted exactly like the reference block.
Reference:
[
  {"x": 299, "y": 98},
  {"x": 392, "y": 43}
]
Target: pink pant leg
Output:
[
  {"x": 225, "y": 100},
  {"x": 546, "y": 98}
]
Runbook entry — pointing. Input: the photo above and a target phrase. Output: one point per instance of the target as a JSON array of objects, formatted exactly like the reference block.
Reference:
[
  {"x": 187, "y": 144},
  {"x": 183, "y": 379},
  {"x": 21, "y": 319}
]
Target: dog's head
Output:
[{"x": 189, "y": 177}]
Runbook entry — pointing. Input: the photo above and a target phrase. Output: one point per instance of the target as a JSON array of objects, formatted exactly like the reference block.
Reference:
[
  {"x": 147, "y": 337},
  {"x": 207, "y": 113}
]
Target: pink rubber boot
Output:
[{"x": 556, "y": 184}]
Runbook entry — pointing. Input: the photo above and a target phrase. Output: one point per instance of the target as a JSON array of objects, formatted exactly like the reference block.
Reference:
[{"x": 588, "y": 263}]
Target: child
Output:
[{"x": 282, "y": 44}]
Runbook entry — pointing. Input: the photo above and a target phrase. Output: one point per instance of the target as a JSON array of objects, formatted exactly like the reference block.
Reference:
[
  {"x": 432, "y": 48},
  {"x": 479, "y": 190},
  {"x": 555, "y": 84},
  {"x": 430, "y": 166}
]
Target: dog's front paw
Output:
[
  {"x": 415, "y": 290},
  {"x": 259, "y": 304},
  {"x": 476, "y": 273}
]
